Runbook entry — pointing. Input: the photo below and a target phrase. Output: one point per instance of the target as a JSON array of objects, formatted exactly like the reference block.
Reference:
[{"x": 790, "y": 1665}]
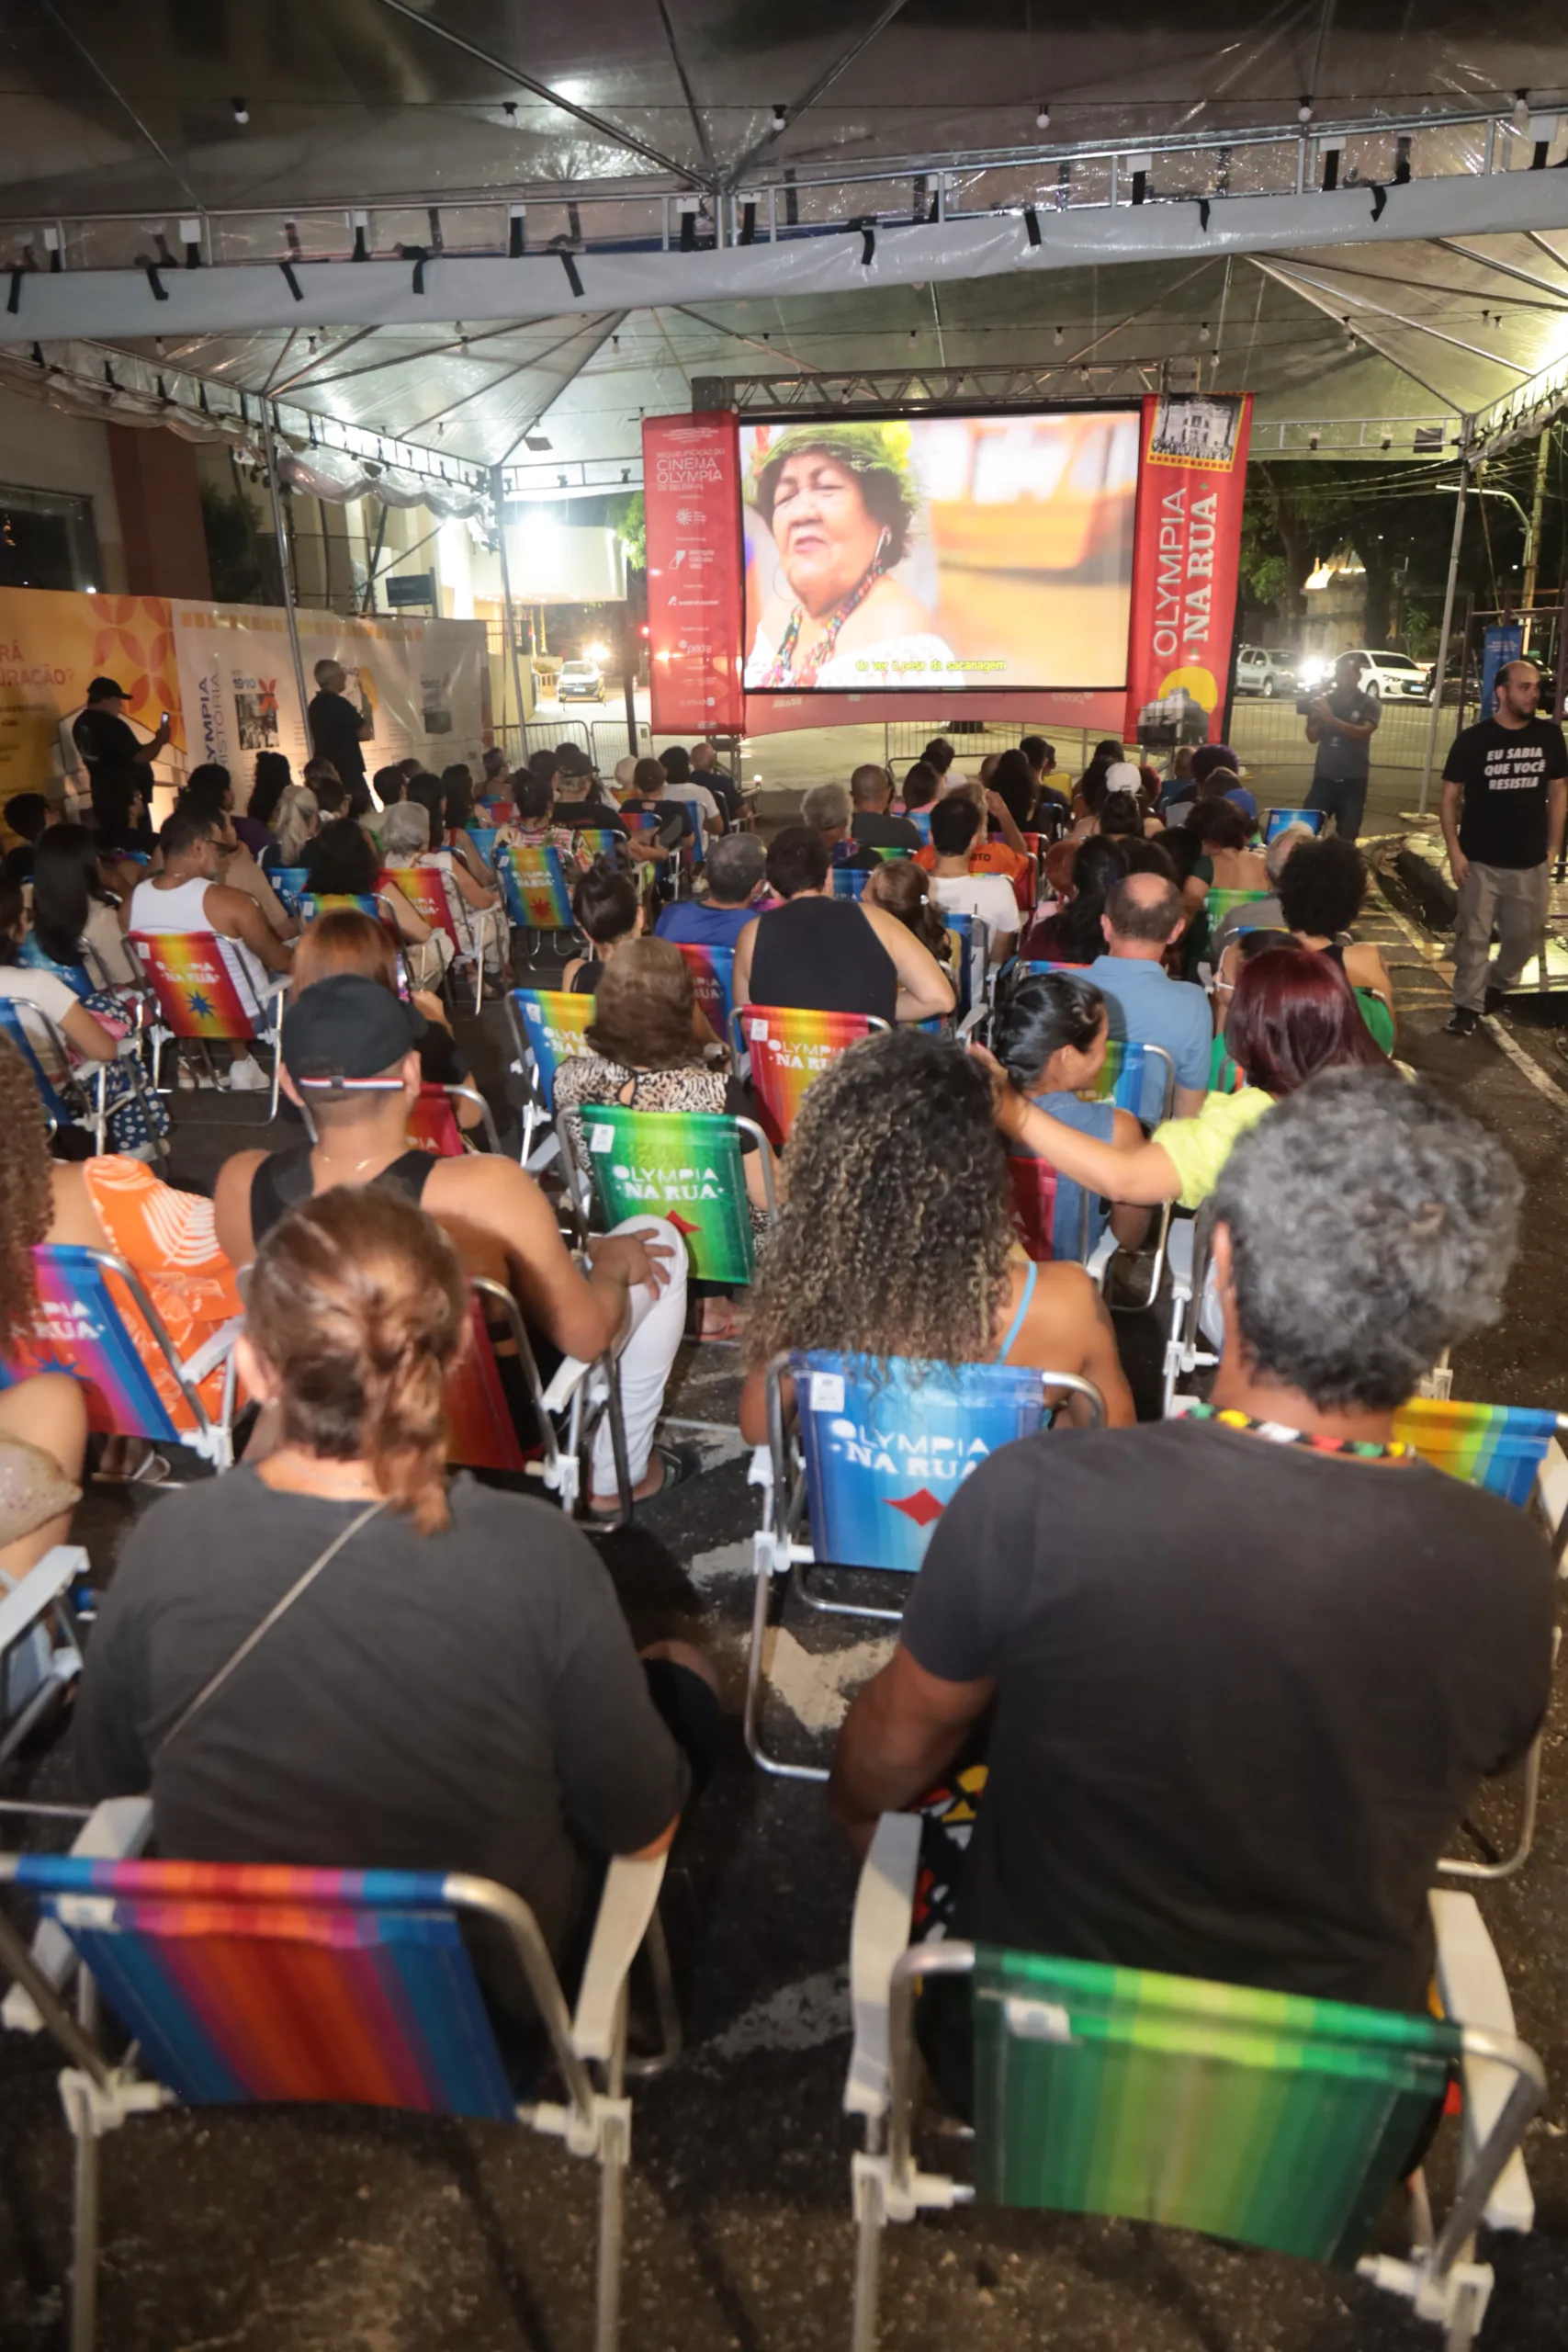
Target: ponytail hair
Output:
[{"x": 358, "y": 1306}]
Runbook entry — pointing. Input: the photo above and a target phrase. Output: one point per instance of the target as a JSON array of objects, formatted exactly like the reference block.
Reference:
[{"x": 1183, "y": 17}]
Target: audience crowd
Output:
[{"x": 1157, "y": 1655}]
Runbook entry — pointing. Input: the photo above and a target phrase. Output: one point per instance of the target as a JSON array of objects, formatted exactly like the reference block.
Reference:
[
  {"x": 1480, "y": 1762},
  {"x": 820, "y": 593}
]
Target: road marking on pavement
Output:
[{"x": 1526, "y": 1064}]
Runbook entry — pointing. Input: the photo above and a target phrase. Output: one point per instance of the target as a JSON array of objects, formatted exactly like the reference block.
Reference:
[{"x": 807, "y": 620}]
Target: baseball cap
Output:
[
  {"x": 570, "y": 761},
  {"x": 345, "y": 1032},
  {"x": 102, "y": 688}
]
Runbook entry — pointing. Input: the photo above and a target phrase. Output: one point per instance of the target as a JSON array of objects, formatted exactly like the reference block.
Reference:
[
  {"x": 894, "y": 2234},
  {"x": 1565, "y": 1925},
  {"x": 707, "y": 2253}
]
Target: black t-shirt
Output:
[
  {"x": 1506, "y": 772},
  {"x": 594, "y": 813},
  {"x": 1244, "y": 1695},
  {"x": 1347, "y": 759},
  {"x": 335, "y": 724},
  {"x": 108, "y": 749},
  {"x": 463, "y": 1702},
  {"x": 674, "y": 818},
  {"x": 873, "y": 830},
  {"x": 823, "y": 954}
]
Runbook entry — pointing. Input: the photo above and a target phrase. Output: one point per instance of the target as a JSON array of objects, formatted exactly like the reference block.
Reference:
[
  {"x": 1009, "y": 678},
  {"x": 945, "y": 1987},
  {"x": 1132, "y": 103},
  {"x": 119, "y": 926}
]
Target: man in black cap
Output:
[
  {"x": 119, "y": 768},
  {"x": 579, "y": 801},
  {"x": 350, "y": 1058}
]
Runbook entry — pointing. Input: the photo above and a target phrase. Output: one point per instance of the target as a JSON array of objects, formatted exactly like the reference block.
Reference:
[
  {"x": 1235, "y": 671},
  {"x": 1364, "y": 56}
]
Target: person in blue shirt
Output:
[
  {"x": 1143, "y": 916},
  {"x": 735, "y": 869},
  {"x": 1050, "y": 1039}
]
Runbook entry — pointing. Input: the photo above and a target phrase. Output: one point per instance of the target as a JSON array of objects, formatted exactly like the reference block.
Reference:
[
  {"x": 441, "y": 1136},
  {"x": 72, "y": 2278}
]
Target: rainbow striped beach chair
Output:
[
  {"x": 850, "y": 881},
  {"x": 243, "y": 1984},
  {"x": 547, "y": 1024},
  {"x": 204, "y": 992},
  {"x": 713, "y": 979},
  {"x": 788, "y": 1048},
  {"x": 538, "y": 892},
  {"x": 1265, "y": 2118},
  {"x": 481, "y": 1431},
  {"x": 876, "y": 1454},
  {"x": 86, "y": 1300}
]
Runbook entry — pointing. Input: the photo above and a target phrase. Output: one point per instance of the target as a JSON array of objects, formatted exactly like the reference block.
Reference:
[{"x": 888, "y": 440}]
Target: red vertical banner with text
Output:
[
  {"x": 1191, "y": 486},
  {"x": 691, "y": 471}
]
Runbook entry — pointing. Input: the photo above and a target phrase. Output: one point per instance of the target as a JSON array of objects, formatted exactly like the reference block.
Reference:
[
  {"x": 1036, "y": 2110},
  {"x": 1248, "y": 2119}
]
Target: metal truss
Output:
[{"x": 927, "y": 388}]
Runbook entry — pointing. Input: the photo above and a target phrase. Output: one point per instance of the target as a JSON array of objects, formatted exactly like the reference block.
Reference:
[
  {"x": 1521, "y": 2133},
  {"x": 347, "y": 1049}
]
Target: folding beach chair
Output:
[
  {"x": 1279, "y": 820},
  {"x": 481, "y": 1432},
  {"x": 1267, "y": 2118},
  {"x": 787, "y": 1048},
  {"x": 244, "y": 1985},
  {"x": 374, "y": 903},
  {"x": 434, "y": 1121},
  {"x": 67, "y": 1101},
  {"x": 713, "y": 979},
  {"x": 203, "y": 991},
  {"x": 850, "y": 881},
  {"x": 40, "y": 1651},
  {"x": 547, "y": 1024},
  {"x": 878, "y": 1453},
  {"x": 433, "y": 894},
  {"x": 89, "y": 1301},
  {"x": 537, "y": 890},
  {"x": 684, "y": 1165},
  {"x": 969, "y": 941},
  {"x": 291, "y": 883},
  {"x": 483, "y": 840}
]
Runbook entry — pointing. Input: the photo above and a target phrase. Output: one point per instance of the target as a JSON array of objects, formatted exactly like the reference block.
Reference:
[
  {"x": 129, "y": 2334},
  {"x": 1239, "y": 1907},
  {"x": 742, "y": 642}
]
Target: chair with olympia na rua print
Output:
[
  {"x": 204, "y": 993},
  {"x": 548, "y": 1025},
  {"x": 788, "y": 1047},
  {"x": 1267, "y": 2118},
  {"x": 245, "y": 1985},
  {"x": 90, "y": 1304},
  {"x": 875, "y": 1454},
  {"x": 684, "y": 1165},
  {"x": 537, "y": 889},
  {"x": 713, "y": 982}
]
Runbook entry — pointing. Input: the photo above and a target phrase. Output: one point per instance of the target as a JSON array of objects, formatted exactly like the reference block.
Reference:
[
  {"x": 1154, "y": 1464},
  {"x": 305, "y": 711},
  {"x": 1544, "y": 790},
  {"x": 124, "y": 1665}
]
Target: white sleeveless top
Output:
[{"x": 183, "y": 908}]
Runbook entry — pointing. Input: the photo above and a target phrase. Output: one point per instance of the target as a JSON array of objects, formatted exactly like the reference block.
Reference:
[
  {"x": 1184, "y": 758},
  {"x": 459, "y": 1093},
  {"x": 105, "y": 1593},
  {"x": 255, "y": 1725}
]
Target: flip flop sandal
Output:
[{"x": 679, "y": 1465}]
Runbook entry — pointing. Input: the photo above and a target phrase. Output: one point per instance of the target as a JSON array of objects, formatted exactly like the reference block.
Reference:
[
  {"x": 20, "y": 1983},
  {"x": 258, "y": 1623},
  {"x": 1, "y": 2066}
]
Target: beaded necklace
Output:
[
  {"x": 1280, "y": 1434},
  {"x": 781, "y": 670}
]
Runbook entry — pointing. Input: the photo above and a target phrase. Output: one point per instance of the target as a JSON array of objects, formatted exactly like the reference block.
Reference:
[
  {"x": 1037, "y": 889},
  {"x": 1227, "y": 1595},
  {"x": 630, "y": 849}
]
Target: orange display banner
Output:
[
  {"x": 52, "y": 647},
  {"x": 1191, "y": 486}
]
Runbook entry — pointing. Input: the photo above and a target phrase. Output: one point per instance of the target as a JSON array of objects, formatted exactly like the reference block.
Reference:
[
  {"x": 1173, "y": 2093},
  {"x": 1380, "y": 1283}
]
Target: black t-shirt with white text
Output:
[
  {"x": 1243, "y": 1694},
  {"x": 1506, "y": 772}
]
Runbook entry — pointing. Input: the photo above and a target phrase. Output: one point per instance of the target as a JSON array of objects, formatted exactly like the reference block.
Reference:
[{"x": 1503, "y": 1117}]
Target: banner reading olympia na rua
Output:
[{"x": 1191, "y": 486}]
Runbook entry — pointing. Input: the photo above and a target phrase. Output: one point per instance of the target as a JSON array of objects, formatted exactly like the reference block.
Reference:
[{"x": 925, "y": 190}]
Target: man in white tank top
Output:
[{"x": 187, "y": 895}]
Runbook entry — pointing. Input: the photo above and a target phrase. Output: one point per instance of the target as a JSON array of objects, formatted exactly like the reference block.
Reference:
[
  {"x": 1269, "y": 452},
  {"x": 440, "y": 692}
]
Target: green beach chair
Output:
[{"x": 1268, "y": 2119}]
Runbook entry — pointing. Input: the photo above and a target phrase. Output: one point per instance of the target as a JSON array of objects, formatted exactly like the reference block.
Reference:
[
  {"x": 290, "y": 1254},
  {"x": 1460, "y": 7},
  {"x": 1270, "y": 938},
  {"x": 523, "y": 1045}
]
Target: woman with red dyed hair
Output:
[{"x": 1294, "y": 1014}]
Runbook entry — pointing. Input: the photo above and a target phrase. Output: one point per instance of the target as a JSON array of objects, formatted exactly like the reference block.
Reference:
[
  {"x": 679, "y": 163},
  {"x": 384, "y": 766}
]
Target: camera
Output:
[{"x": 1305, "y": 704}]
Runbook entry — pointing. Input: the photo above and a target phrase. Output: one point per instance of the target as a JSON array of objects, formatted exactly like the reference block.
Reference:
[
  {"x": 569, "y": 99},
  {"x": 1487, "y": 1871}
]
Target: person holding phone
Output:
[{"x": 120, "y": 767}]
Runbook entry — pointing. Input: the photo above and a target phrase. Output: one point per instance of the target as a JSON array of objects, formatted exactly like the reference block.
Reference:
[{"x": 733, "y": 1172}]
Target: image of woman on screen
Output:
[{"x": 840, "y": 501}]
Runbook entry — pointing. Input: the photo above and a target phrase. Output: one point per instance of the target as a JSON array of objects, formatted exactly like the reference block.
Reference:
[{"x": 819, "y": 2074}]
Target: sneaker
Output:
[
  {"x": 1462, "y": 1023},
  {"x": 1495, "y": 1000},
  {"x": 247, "y": 1077}
]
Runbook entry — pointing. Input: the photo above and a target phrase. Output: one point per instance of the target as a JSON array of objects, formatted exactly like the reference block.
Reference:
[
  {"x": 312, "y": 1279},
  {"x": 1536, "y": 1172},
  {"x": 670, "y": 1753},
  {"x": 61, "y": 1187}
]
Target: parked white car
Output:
[
  {"x": 1264, "y": 670},
  {"x": 582, "y": 680},
  {"x": 1393, "y": 677}
]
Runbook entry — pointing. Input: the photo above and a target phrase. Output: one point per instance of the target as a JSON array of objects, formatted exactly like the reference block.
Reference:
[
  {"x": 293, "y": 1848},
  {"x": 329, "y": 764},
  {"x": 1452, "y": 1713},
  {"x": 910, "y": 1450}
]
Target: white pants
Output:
[{"x": 645, "y": 1352}]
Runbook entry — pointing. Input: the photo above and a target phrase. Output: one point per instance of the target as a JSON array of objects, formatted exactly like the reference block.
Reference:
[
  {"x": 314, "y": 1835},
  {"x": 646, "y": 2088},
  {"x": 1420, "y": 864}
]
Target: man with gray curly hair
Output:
[{"x": 1244, "y": 1668}]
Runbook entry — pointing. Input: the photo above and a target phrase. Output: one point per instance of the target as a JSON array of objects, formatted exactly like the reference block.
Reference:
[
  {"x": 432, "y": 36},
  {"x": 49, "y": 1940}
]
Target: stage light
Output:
[
  {"x": 509, "y": 108},
  {"x": 1521, "y": 109},
  {"x": 242, "y": 111},
  {"x": 1060, "y": 337},
  {"x": 1043, "y": 120},
  {"x": 1204, "y": 332},
  {"x": 780, "y": 118},
  {"x": 1304, "y": 112}
]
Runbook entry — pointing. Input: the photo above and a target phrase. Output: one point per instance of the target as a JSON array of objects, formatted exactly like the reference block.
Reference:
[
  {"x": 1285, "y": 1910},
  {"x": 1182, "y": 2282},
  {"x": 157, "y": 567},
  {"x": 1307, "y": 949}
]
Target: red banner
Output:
[
  {"x": 1191, "y": 483},
  {"x": 692, "y": 493}
]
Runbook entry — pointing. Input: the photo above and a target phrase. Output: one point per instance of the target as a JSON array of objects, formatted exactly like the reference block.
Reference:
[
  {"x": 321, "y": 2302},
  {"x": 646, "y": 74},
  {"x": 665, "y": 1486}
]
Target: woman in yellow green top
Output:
[{"x": 1293, "y": 1014}]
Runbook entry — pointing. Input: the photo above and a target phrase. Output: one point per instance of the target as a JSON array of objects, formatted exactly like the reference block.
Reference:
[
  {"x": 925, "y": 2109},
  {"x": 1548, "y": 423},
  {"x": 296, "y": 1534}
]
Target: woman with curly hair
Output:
[
  {"x": 117, "y": 1204},
  {"x": 897, "y": 1236}
]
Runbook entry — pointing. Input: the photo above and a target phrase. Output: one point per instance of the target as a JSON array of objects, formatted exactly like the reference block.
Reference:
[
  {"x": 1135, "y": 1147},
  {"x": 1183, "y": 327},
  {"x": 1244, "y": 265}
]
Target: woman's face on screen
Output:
[{"x": 825, "y": 537}]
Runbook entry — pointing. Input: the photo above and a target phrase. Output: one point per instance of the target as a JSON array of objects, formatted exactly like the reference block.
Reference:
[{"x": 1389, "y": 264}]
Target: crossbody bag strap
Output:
[{"x": 210, "y": 1688}]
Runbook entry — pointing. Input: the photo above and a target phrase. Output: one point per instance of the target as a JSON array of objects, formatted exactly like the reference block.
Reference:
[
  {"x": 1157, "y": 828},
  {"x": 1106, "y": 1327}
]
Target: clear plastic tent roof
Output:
[{"x": 132, "y": 110}]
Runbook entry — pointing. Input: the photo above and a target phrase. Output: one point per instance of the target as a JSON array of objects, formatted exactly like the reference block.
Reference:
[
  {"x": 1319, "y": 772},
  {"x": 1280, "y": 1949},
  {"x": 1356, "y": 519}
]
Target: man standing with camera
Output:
[
  {"x": 1510, "y": 772},
  {"x": 1342, "y": 724}
]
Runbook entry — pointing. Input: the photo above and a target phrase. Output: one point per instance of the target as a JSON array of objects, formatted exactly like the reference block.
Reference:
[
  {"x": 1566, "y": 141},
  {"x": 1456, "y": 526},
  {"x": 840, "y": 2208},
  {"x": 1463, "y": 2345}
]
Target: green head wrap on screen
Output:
[{"x": 878, "y": 455}]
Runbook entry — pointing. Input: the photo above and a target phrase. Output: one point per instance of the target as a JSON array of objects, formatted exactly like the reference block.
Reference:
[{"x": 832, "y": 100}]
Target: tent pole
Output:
[
  {"x": 498, "y": 498},
  {"x": 1466, "y": 429},
  {"x": 282, "y": 566}
]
